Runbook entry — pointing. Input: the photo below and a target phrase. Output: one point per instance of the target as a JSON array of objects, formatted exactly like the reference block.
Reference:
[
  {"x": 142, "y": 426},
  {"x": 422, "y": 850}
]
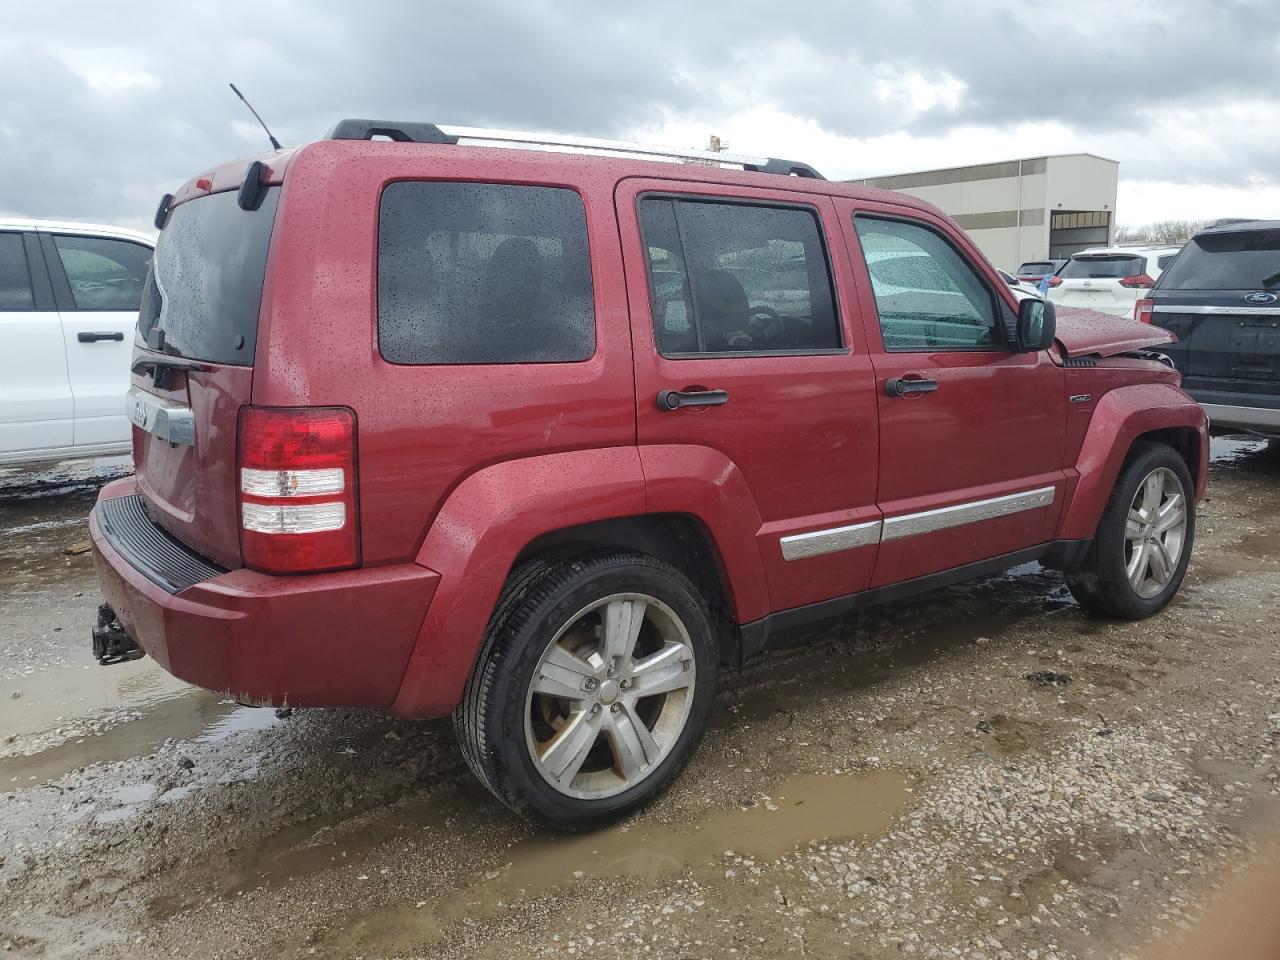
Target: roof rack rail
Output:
[{"x": 414, "y": 132}]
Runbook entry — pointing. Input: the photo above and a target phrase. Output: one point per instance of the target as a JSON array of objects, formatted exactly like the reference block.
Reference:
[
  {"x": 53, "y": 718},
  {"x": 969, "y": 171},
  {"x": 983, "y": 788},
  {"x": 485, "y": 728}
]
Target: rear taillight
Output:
[
  {"x": 1055, "y": 281},
  {"x": 298, "y": 489},
  {"x": 1141, "y": 280},
  {"x": 1142, "y": 310}
]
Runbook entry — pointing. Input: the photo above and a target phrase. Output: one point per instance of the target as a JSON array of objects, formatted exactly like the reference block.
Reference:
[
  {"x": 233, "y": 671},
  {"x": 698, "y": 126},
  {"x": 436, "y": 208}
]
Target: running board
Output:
[{"x": 755, "y": 636}]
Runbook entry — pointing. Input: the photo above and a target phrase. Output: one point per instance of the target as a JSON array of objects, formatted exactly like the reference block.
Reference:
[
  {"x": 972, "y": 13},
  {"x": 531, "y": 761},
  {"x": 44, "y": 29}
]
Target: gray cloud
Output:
[{"x": 104, "y": 107}]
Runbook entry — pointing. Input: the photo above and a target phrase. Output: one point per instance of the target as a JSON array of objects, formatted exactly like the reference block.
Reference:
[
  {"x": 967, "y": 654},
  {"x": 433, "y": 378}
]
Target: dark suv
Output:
[
  {"x": 1221, "y": 297},
  {"x": 543, "y": 438}
]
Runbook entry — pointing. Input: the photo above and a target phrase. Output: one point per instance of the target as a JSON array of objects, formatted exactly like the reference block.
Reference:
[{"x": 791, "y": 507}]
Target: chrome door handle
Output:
[{"x": 675, "y": 399}]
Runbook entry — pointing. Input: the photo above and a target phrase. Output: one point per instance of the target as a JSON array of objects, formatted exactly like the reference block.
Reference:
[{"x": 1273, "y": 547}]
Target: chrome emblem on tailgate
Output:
[{"x": 1260, "y": 298}]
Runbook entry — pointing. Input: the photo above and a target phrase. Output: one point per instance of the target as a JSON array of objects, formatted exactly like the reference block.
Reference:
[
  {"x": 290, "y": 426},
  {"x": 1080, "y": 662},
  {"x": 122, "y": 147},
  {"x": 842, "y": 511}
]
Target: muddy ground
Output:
[{"x": 893, "y": 784}]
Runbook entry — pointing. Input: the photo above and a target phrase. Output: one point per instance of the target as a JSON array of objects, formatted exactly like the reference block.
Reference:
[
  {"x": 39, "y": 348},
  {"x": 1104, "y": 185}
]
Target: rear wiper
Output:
[
  {"x": 154, "y": 362},
  {"x": 161, "y": 365},
  {"x": 1271, "y": 280}
]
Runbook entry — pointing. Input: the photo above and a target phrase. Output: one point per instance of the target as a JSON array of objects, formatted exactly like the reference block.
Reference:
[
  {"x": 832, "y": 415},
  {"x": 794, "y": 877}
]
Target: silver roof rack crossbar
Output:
[{"x": 449, "y": 134}]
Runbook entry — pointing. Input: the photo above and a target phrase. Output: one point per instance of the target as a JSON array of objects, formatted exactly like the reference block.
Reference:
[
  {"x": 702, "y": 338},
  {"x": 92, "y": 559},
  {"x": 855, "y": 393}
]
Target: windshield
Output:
[
  {"x": 1247, "y": 260},
  {"x": 1084, "y": 268},
  {"x": 205, "y": 285},
  {"x": 1035, "y": 269}
]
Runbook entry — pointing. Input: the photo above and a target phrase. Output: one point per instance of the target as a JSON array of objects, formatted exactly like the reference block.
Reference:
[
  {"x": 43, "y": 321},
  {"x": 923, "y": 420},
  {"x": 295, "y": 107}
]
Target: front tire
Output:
[
  {"x": 593, "y": 688},
  {"x": 1143, "y": 543}
]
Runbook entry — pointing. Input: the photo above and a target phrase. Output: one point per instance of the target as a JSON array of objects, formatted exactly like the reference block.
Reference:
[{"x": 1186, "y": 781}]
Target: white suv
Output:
[
  {"x": 1109, "y": 279},
  {"x": 69, "y": 296}
]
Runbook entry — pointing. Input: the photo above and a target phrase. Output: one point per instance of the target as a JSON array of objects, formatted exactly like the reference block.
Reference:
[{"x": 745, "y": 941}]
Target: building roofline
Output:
[{"x": 981, "y": 163}]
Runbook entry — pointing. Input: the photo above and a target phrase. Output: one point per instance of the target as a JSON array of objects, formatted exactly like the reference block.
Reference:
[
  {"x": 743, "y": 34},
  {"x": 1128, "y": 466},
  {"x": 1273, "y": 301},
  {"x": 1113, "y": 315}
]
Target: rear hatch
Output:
[
  {"x": 1221, "y": 298},
  {"x": 193, "y": 365},
  {"x": 1110, "y": 282}
]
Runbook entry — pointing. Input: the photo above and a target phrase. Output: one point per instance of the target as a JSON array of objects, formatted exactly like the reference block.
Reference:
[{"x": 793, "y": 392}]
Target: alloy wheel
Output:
[
  {"x": 610, "y": 696},
  {"x": 1154, "y": 532}
]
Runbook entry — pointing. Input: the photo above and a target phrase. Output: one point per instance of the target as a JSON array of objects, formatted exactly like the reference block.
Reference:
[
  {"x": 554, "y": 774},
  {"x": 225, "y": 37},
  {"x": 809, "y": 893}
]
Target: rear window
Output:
[
  {"x": 1247, "y": 260},
  {"x": 1085, "y": 268},
  {"x": 205, "y": 286},
  {"x": 483, "y": 273},
  {"x": 1035, "y": 269}
]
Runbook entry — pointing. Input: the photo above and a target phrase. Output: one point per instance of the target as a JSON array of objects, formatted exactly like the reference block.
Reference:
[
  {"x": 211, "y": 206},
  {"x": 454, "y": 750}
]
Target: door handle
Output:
[
  {"x": 675, "y": 399},
  {"x": 901, "y": 386},
  {"x": 88, "y": 336}
]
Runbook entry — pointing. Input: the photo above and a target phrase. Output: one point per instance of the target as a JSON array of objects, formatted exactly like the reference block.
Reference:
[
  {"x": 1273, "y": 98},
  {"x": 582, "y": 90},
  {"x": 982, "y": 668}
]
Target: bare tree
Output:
[{"x": 1170, "y": 232}]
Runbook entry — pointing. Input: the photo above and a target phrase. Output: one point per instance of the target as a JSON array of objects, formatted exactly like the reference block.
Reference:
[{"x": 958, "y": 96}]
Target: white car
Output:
[
  {"x": 69, "y": 298},
  {"x": 1109, "y": 279}
]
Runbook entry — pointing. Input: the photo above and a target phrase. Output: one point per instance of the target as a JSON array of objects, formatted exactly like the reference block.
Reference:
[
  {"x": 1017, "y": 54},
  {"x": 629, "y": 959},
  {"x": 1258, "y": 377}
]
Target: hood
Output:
[{"x": 1083, "y": 333}]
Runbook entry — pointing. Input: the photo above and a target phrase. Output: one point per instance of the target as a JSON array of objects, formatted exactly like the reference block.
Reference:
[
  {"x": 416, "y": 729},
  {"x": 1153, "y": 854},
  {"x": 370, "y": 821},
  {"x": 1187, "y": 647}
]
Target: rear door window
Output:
[
  {"x": 205, "y": 286},
  {"x": 15, "y": 280},
  {"x": 737, "y": 278},
  {"x": 1035, "y": 269},
  {"x": 927, "y": 295},
  {"x": 1102, "y": 268},
  {"x": 483, "y": 273},
  {"x": 104, "y": 274},
  {"x": 1245, "y": 260}
]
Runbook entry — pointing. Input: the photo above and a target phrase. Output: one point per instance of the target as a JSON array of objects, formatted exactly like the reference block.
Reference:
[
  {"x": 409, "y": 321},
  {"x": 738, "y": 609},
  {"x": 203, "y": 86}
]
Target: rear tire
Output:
[
  {"x": 592, "y": 690},
  {"x": 1143, "y": 543}
]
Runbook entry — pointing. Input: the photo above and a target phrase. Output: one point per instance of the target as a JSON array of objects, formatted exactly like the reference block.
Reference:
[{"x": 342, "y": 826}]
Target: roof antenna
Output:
[{"x": 274, "y": 142}]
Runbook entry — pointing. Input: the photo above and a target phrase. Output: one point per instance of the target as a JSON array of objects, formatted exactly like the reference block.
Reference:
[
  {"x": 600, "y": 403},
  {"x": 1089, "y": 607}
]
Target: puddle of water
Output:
[
  {"x": 1262, "y": 546},
  {"x": 1234, "y": 449},
  {"x": 197, "y": 715},
  {"x": 802, "y": 810},
  {"x": 128, "y": 798},
  {"x": 64, "y": 694},
  {"x": 61, "y": 477}
]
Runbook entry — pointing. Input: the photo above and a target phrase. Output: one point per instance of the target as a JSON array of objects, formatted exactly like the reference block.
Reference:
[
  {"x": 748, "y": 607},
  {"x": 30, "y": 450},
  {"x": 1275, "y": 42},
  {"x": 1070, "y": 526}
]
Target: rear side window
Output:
[
  {"x": 927, "y": 295},
  {"x": 104, "y": 274},
  {"x": 1164, "y": 261},
  {"x": 737, "y": 278},
  {"x": 483, "y": 273},
  {"x": 205, "y": 286},
  {"x": 15, "y": 281},
  {"x": 1103, "y": 268},
  {"x": 1247, "y": 260}
]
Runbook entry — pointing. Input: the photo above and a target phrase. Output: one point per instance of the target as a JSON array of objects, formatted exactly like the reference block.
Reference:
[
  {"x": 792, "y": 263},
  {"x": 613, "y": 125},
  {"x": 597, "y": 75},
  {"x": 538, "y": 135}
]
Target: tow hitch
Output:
[{"x": 110, "y": 643}]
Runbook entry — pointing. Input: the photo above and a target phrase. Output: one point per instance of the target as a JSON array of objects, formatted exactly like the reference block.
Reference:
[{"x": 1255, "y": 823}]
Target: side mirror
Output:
[{"x": 1037, "y": 324}]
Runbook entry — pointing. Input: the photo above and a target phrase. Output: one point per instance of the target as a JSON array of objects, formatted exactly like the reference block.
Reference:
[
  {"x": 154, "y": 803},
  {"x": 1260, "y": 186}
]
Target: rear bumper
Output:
[{"x": 332, "y": 639}]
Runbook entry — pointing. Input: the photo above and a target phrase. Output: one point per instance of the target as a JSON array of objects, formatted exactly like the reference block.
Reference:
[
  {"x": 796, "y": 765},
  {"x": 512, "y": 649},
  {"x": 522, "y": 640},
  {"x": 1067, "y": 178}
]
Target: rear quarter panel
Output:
[{"x": 423, "y": 429}]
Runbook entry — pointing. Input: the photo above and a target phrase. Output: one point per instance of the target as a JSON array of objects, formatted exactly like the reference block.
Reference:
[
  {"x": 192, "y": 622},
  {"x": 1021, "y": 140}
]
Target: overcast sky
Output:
[{"x": 105, "y": 106}]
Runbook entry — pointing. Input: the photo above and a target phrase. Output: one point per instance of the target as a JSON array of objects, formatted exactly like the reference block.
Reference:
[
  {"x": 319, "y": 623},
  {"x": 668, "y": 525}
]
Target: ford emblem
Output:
[{"x": 1260, "y": 298}]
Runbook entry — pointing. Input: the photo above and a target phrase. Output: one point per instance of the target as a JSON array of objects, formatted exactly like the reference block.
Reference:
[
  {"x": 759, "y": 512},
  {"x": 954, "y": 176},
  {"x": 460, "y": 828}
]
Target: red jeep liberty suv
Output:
[{"x": 542, "y": 438}]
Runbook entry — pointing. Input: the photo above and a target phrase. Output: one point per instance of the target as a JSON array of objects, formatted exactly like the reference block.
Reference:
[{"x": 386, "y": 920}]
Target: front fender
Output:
[
  {"x": 1120, "y": 417},
  {"x": 476, "y": 537}
]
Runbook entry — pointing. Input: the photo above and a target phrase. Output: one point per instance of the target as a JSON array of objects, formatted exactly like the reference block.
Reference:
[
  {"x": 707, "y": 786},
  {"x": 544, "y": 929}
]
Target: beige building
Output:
[{"x": 1020, "y": 210}]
